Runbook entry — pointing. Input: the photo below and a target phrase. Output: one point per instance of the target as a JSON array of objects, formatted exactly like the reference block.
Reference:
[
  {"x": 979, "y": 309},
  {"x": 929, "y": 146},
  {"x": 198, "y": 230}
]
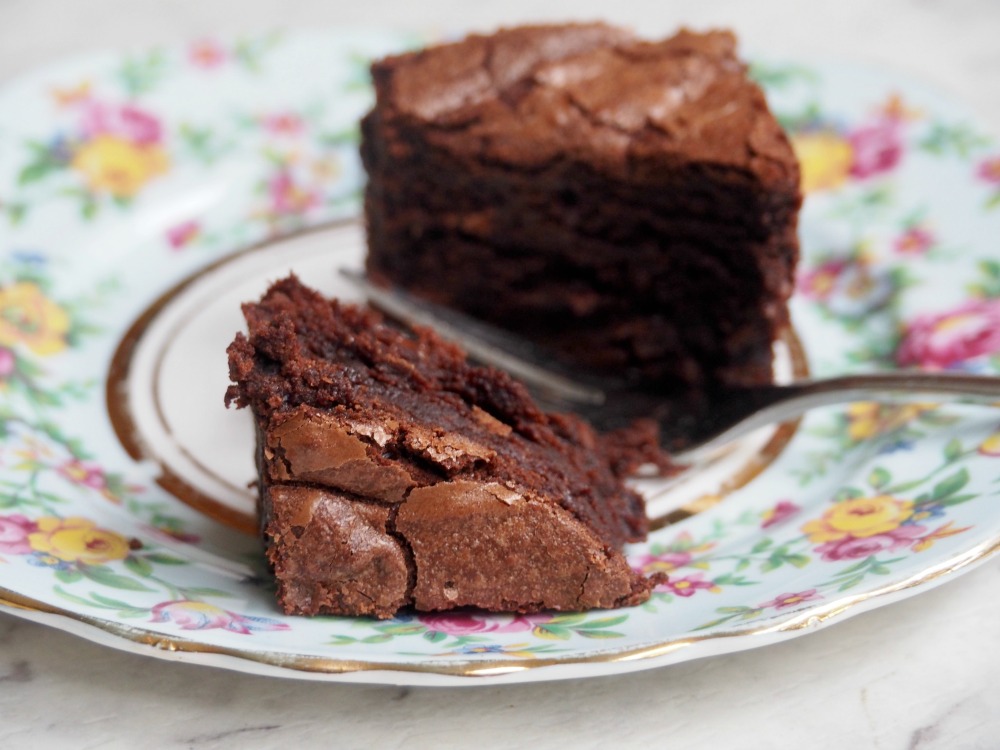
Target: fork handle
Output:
[
  {"x": 752, "y": 409},
  {"x": 863, "y": 387},
  {"x": 783, "y": 403}
]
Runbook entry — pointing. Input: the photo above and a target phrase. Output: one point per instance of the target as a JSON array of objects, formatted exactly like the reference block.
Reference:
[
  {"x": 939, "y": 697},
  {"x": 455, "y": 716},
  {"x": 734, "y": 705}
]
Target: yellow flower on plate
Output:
[
  {"x": 116, "y": 166},
  {"x": 825, "y": 159},
  {"x": 862, "y": 420},
  {"x": 867, "y": 419},
  {"x": 906, "y": 413},
  {"x": 29, "y": 318},
  {"x": 859, "y": 517},
  {"x": 78, "y": 540},
  {"x": 991, "y": 445}
]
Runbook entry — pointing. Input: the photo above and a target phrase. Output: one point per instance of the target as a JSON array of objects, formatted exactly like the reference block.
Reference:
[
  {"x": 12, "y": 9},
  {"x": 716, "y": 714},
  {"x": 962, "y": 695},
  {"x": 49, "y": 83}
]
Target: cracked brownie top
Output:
[
  {"x": 592, "y": 93},
  {"x": 343, "y": 399}
]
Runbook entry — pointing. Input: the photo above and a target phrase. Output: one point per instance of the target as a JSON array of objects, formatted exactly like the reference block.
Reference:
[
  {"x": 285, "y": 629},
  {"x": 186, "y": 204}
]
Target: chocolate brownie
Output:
[
  {"x": 394, "y": 473},
  {"x": 631, "y": 204}
]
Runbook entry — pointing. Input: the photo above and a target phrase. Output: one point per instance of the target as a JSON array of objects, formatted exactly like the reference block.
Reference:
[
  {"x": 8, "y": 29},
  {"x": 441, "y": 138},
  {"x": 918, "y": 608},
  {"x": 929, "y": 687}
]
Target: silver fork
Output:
[{"x": 692, "y": 430}]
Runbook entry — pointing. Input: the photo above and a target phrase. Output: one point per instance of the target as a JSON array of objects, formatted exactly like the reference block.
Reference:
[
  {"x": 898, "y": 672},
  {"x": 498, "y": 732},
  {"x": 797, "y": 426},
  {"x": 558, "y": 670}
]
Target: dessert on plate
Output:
[
  {"x": 630, "y": 204},
  {"x": 392, "y": 473}
]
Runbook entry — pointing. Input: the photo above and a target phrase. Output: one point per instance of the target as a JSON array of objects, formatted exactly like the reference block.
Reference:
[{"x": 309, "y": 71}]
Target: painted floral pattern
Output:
[
  {"x": 988, "y": 170},
  {"x": 14, "y": 531},
  {"x": 870, "y": 494},
  {"x": 195, "y": 615},
  {"x": 872, "y": 529},
  {"x": 831, "y": 153},
  {"x": 114, "y": 149},
  {"x": 77, "y": 540},
  {"x": 953, "y": 338},
  {"x": 29, "y": 319}
]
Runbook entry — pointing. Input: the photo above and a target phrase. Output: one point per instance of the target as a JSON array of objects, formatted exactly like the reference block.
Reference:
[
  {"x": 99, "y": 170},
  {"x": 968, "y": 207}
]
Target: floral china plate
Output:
[{"x": 144, "y": 195}]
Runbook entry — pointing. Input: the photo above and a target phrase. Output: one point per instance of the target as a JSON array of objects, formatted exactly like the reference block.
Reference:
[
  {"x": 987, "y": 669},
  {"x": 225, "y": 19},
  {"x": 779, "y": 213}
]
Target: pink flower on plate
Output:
[
  {"x": 468, "y": 623},
  {"x": 854, "y": 548},
  {"x": 83, "y": 473},
  {"x": 8, "y": 363},
  {"x": 14, "y": 531},
  {"x": 914, "y": 241},
  {"x": 126, "y": 121},
  {"x": 282, "y": 123},
  {"x": 877, "y": 148},
  {"x": 206, "y": 54},
  {"x": 190, "y": 615},
  {"x": 183, "y": 234},
  {"x": 287, "y": 197},
  {"x": 848, "y": 287},
  {"x": 661, "y": 563},
  {"x": 942, "y": 340},
  {"x": 989, "y": 170},
  {"x": 781, "y": 601},
  {"x": 820, "y": 282},
  {"x": 689, "y": 585},
  {"x": 780, "y": 513}
]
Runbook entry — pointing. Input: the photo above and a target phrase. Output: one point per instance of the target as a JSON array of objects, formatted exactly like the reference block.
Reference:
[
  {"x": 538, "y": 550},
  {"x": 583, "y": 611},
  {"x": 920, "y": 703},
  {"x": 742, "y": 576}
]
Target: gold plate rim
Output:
[{"x": 470, "y": 672}]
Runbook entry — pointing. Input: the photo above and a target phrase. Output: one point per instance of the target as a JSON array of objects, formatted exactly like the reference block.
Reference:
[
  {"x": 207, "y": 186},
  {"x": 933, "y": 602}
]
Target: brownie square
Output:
[{"x": 630, "y": 204}]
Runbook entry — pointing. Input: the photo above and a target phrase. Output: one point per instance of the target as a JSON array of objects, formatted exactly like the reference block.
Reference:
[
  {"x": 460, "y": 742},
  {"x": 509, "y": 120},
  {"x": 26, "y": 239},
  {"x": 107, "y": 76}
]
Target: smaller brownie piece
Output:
[
  {"x": 394, "y": 473},
  {"x": 630, "y": 204}
]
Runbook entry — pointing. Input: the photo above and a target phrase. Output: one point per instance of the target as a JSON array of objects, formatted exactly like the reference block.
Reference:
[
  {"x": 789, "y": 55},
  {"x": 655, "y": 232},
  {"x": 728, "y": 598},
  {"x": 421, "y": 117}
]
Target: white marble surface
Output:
[{"x": 919, "y": 674}]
